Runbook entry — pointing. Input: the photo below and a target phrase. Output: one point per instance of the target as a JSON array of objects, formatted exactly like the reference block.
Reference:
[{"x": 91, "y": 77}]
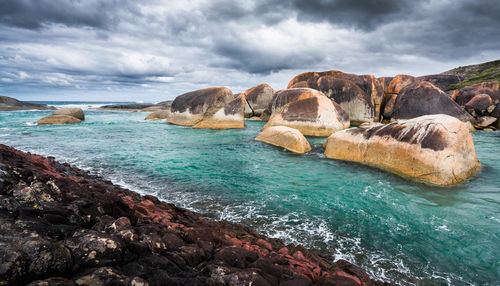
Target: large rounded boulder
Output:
[
  {"x": 58, "y": 119},
  {"x": 436, "y": 149},
  {"x": 75, "y": 112},
  {"x": 258, "y": 99},
  {"x": 191, "y": 108},
  {"x": 231, "y": 115},
  {"x": 467, "y": 93},
  {"x": 355, "y": 101},
  {"x": 423, "y": 98},
  {"x": 391, "y": 92},
  {"x": 286, "y": 137},
  {"x": 311, "y": 115},
  {"x": 287, "y": 96}
]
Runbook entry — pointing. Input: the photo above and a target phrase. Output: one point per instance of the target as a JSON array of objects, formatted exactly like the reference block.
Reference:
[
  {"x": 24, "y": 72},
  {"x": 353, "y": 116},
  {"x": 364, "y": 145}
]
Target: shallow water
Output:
[{"x": 397, "y": 229}]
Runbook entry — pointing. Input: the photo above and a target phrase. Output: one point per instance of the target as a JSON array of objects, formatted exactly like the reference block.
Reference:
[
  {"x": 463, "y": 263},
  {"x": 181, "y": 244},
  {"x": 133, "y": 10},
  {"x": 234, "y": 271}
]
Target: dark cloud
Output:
[
  {"x": 181, "y": 45},
  {"x": 33, "y": 14}
]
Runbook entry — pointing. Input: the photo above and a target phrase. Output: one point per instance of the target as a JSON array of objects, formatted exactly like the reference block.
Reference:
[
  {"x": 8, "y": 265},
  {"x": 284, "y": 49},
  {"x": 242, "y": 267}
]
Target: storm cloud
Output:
[{"x": 154, "y": 50}]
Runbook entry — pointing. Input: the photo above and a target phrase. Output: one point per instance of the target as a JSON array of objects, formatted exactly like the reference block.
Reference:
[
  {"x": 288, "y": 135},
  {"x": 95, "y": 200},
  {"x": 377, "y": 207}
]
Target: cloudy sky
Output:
[{"x": 153, "y": 50}]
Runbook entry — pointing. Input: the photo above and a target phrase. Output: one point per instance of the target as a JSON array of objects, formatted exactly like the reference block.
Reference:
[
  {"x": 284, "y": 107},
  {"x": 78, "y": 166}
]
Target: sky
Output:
[{"x": 152, "y": 50}]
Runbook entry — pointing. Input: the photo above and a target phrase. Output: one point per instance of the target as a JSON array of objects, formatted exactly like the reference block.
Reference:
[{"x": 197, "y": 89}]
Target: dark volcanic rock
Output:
[
  {"x": 61, "y": 226},
  {"x": 9, "y": 103},
  {"x": 423, "y": 98}
]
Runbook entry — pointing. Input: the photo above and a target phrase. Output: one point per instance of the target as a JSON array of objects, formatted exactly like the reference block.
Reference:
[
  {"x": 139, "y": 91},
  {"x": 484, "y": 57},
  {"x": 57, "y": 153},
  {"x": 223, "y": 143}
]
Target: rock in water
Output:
[
  {"x": 258, "y": 99},
  {"x": 158, "y": 115},
  {"x": 75, "y": 112},
  {"x": 229, "y": 116},
  {"x": 190, "y": 108},
  {"x": 58, "y": 119},
  {"x": 287, "y": 96},
  {"x": 423, "y": 98},
  {"x": 315, "y": 115},
  {"x": 350, "y": 96},
  {"x": 436, "y": 149},
  {"x": 286, "y": 137}
]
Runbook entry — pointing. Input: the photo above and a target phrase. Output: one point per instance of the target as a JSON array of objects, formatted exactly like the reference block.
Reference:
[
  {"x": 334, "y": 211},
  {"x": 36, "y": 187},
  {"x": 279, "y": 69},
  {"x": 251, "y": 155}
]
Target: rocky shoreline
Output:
[{"x": 60, "y": 225}]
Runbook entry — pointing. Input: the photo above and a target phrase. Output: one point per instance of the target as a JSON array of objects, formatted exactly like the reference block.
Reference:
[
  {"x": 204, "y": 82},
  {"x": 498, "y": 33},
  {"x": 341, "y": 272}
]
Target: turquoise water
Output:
[{"x": 398, "y": 230}]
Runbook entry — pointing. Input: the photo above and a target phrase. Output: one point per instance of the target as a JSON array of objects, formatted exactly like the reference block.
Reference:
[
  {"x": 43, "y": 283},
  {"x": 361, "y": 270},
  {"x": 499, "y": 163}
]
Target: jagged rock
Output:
[
  {"x": 191, "y": 108},
  {"x": 312, "y": 113},
  {"x": 9, "y": 103},
  {"x": 286, "y": 137},
  {"x": 423, "y": 98},
  {"x": 229, "y": 116},
  {"x": 258, "y": 99},
  {"x": 97, "y": 233},
  {"x": 158, "y": 115},
  {"x": 75, "y": 112},
  {"x": 436, "y": 149},
  {"x": 58, "y": 119}
]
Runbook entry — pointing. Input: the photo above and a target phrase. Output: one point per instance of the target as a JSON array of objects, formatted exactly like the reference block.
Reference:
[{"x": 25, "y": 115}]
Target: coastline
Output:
[{"x": 68, "y": 227}]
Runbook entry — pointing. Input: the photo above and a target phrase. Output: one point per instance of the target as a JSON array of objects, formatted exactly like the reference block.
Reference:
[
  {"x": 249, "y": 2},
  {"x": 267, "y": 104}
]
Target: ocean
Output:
[{"x": 398, "y": 230}]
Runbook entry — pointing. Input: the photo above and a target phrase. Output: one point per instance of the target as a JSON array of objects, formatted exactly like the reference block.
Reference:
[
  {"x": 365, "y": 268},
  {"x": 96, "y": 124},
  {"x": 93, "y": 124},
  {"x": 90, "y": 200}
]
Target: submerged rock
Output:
[
  {"x": 191, "y": 108},
  {"x": 75, "y": 112},
  {"x": 58, "y": 119},
  {"x": 436, "y": 149},
  {"x": 309, "y": 111},
  {"x": 78, "y": 229},
  {"x": 286, "y": 137}
]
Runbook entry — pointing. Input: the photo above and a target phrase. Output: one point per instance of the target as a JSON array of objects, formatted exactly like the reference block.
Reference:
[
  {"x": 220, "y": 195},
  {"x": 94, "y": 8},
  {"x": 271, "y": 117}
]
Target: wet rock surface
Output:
[{"x": 62, "y": 226}]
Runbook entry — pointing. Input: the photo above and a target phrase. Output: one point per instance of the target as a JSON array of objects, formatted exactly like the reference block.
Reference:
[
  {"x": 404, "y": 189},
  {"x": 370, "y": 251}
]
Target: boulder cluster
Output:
[
  {"x": 62, "y": 226},
  {"x": 400, "y": 118},
  {"x": 63, "y": 116}
]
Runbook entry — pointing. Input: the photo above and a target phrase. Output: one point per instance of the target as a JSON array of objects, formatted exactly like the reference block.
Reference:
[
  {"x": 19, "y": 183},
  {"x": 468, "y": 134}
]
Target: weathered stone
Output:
[
  {"x": 258, "y": 99},
  {"x": 484, "y": 121},
  {"x": 158, "y": 115},
  {"x": 441, "y": 81},
  {"x": 9, "y": 103},
  {"x": 75, "y": 112},
  {"x": 190, "y": 108},
  {"x": 480, "y": 104},
  {"x": 58, "y": 119},
  {"x": 286, "y": 137},
  {"x": 436, "y": 149},
  {"x": 467, "y": 93},
  {"x": 350, "y": 96},
  {"x": 423, "y": 98},
  {"x": 229, "y": 116},
  {"x": 311, "y": 115}
]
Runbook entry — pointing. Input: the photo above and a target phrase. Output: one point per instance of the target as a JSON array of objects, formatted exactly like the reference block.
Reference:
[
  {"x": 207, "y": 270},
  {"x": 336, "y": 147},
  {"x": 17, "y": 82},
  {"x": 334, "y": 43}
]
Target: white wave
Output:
[{"x": 29, "y": 123}]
